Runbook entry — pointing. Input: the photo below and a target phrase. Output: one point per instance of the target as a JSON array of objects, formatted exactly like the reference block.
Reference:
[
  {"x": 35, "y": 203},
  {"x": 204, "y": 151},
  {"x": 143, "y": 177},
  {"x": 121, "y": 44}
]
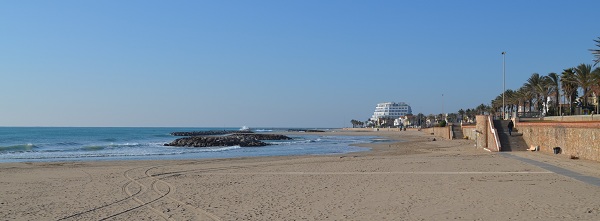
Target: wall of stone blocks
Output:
[
  {"x": 577, "y": 139},
  {"x": 594, "y": 117},
  {"x": 443, "y": 132},
  {"x": 469, "y": 131},
  {"x": 486, "y": 133},
  {"x": 482, "y": 131}
]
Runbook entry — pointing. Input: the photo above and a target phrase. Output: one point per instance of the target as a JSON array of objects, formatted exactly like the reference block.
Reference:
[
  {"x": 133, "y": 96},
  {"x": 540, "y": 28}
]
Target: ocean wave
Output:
[
  {"x": 282, "y": 142},
  {"x": 290, "y": 142},
  {"x": 93, "y": 148},
  {"x": 18, "y": 148},
  {"x": 315, "y": 140},
  {"x": 100, "y": 151},
  {"x": 125, "y": 145},
  {"x": 67, "y": 144},
  {"x": 263, "y": 130},
  {"x": 117, "y": 144},
  {"x": 158, "y": 144}
]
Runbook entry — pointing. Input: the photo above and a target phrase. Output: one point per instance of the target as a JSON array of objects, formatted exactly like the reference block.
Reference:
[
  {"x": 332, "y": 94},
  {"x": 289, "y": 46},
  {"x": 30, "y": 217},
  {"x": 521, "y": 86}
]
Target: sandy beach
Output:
[{"x": 414, "y": 179}]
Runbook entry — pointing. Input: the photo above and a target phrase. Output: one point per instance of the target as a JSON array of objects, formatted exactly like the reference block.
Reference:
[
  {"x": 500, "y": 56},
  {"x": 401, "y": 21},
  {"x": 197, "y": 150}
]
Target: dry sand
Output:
[{"x": 418, "y": 179}]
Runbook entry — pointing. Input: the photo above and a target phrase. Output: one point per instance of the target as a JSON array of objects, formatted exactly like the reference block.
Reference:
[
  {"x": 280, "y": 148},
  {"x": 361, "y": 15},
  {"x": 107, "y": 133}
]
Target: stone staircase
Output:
[
  {"x": 509, "y": 143},
  {"x": 457, "y": 131}
]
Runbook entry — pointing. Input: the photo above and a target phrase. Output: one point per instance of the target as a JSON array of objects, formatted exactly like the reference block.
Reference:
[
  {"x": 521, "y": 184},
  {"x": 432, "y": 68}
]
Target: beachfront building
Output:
[
  {"x": 401, "y": 121},
  {"x": 390, "y": 110}
]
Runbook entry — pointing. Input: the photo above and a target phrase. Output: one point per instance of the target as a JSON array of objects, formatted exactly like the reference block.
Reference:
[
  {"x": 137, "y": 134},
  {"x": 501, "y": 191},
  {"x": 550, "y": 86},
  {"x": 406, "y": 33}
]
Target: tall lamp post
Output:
[{"x": 503, "y": 82}]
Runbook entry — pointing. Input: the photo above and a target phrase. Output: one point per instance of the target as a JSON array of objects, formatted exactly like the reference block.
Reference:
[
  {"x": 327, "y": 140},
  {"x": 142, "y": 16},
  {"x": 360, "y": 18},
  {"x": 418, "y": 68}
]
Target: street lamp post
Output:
[{"x": 503, "y": 83}]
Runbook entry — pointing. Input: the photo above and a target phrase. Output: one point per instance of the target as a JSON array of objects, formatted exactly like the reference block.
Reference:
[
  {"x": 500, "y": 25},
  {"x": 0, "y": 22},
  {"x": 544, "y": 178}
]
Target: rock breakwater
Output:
[
  {"x": 266, "y": 136},
  {"x": 208, "y": 133},
  {"x": 235, "y": 139},
  {"x": 206, "y": 141}
]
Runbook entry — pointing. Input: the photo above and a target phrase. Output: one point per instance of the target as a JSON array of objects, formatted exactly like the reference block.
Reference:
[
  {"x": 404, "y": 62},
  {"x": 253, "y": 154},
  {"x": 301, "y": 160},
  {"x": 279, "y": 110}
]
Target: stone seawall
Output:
[
  {"x": 469, "y": 131},
  {"x": 577, "y": 139},
  {"x": 594, "y": 117},
  {"x": 443, "y": 132},
  {"x": 485, "y": 134}
]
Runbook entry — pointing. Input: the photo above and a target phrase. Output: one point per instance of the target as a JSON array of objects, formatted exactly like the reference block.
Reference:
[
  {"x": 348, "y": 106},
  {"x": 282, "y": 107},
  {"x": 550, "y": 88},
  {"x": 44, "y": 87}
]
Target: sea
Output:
[{"x": 51, "y": 144}]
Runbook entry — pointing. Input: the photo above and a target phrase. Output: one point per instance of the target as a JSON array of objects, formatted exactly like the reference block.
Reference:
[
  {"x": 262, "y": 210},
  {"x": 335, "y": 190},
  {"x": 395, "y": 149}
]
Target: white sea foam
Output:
[
  {"x": 17, "y": 148},
  {"x": 124, "y": 145},
  {"x": 219, "y": 149}
]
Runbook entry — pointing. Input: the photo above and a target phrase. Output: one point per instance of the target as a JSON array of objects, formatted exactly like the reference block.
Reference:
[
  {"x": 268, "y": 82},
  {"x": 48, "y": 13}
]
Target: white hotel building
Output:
[{"x": 391, "y": 110}]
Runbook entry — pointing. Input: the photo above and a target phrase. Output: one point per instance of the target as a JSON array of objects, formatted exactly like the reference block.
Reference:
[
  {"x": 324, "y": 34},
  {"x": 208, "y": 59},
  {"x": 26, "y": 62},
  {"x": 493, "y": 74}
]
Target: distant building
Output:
[
  {"x": 401, "y": 122},
  {"x": 391, "y": 110}
]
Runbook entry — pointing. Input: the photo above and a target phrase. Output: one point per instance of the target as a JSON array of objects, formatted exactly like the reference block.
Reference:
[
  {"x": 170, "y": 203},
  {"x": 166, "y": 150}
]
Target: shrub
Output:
[{"x": 442, "y": 123}]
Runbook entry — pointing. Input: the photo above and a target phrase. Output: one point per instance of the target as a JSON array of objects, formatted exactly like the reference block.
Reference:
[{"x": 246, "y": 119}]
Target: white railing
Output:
[{"x": 494, "y": 132}]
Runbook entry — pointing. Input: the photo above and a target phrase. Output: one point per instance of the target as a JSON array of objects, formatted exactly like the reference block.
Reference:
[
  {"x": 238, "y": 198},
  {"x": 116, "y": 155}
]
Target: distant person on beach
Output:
[{"x": 510, "y": 127}]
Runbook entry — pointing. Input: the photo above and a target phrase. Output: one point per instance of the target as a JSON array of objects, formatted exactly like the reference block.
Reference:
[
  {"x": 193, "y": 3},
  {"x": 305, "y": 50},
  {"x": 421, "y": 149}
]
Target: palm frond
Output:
[{"x": 596, "y": 52}]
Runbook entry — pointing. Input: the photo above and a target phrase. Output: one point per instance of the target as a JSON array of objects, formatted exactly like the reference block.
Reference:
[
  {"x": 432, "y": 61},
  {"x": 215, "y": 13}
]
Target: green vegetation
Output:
[
  {"x": 539, "y": 95},
  {"x": 596, "y": 52},
  {"x": 534, "y": 95},
  {"x": 442, "y": 123},
  {"x": 357, "y": 123}
]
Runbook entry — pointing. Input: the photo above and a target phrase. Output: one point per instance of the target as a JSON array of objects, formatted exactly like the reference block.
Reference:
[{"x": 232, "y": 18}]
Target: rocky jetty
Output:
[
  {"x": 208, "y": 133},
  {"x": 265, "y": 136},
  {"x": 217, "y": 141},
  {"x": 211, "y": 139}
]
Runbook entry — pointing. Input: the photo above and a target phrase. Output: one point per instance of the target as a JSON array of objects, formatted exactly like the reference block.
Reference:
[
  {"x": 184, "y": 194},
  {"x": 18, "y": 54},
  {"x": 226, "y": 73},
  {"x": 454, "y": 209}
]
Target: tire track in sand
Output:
[
  {"x": 138, "y": 196},
  {"x": 92, "y": 212},
  {"x": 155, "y": 182},
  {"x": 171, "y": 188}
]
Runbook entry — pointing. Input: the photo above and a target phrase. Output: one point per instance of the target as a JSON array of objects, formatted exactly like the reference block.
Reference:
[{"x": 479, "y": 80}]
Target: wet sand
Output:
[{"x": 416, "y": 179}]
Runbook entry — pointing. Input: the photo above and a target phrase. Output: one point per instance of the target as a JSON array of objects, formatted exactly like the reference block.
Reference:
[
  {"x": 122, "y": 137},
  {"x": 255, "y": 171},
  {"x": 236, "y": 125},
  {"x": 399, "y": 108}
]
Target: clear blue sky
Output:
[{"x": 273, "y": 63}]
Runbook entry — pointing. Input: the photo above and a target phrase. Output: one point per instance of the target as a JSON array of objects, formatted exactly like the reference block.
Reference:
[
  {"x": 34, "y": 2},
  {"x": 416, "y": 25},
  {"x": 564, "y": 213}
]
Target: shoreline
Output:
[
  {"x": 335, "y": 133},
  {"x": 32, "y": 145},
  {"x": 416, "y": 178}
]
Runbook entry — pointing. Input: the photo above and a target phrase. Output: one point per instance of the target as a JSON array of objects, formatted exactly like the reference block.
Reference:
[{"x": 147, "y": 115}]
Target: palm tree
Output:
[
  {"x": 584, "y": 79},
  {"x": 569, "y": 86},
  {"x": 482, "y": 108},
  {"x": 526, "y": 96},
  {"x": 354, "y": 123},
  {"x": 497, "y": 103},
  {"x": 471, "y": 114},
  {"x": 596, "y": 75},
  {"x": 596, "y": 52},
  {"x": 452, "y": 117},
  {"x": 541, "y": 87},
  {"x": 553, "y": 83},
  {"x": 461, "y": 113},
  {"x": 536, "y": 84},
  {"x": 488, "y": 108},
  {"x": 513, "y": 100},
  {"x": 520, "y": 100},
  {"x": 595, "y": 87}
]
